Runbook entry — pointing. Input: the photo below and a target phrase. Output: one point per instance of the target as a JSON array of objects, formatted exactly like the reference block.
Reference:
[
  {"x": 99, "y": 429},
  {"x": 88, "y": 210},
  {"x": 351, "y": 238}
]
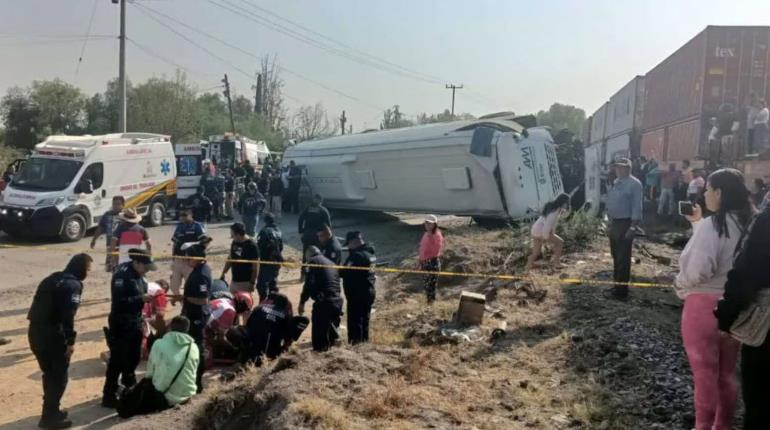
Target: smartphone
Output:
[{"x": 685, "y": 208}]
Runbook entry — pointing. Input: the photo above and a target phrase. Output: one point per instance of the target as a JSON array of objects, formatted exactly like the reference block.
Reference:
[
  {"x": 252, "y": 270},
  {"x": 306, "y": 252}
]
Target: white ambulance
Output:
[{"x": 68, "y": 183}]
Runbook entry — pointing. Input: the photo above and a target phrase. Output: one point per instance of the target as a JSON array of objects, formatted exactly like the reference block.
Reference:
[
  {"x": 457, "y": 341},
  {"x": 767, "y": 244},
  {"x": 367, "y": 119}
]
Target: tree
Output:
[
  {"x": 242, "y": 108},
  {"x": 571, "y": 156},
  {"x": 445, "y": 116},
  {"x": 561, "y": 116},
  {"x": 393, "y": 118},
  {"x": 272, "y": 92},
  {"x": 60, "y": 107},
  {"x": 311, "y": 122},
  {"x": 20, "y": 117},
  {"x": 165, "y": 106}
]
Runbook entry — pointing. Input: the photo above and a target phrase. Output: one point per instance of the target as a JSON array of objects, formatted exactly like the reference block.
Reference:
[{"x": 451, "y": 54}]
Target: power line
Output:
[
  {"x": 257, "y": 57},
  {"x": 42, "y": 42},
  {"x": 342, "y": 49},
  {"x": 254, "y": 17},
  {"x": 428, "y": 77},
  {"x": 158, "y": 56},
  {"x": 85, "y": 42}
]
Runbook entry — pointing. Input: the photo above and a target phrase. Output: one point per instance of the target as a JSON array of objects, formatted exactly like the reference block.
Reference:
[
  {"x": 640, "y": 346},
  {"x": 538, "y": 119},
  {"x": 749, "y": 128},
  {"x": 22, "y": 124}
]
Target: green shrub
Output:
[{"x": 579, "y": 229}]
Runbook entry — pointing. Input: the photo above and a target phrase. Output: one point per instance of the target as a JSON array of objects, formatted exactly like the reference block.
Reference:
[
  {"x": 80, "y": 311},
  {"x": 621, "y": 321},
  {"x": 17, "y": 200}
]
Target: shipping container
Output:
[
  {"x": 652, "y": 144},
  {"x": 599, "y": 124},
  {"x": 625, "y": 108},
  {"x": 709, "y": 81}
]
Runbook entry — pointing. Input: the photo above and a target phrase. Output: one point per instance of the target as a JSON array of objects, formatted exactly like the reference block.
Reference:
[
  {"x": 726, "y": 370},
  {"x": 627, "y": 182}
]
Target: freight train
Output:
[{"x": 691, "y": 106}]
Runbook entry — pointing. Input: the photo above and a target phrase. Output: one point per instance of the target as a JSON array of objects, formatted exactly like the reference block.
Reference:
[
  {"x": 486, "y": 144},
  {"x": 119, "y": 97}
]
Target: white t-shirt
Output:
[
  {"x": 696, "y": 185},
  {"x": 705, "y": 261},
  {"x": 545, "y": 225},
  {"x": 762, "y": 117}
]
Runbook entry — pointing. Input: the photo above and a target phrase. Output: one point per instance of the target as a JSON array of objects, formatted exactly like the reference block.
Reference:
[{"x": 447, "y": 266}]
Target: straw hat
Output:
[{"x": 130, "y": 215}]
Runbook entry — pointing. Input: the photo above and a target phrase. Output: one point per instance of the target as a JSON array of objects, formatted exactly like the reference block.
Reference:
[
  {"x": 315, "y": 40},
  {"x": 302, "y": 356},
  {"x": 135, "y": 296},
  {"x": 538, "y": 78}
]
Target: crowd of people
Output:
[{"x": 218, "y": 322}]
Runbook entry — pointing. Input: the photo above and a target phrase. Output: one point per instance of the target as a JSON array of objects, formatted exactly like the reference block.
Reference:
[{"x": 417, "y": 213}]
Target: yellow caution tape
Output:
[{"x": 390, "y": 270}]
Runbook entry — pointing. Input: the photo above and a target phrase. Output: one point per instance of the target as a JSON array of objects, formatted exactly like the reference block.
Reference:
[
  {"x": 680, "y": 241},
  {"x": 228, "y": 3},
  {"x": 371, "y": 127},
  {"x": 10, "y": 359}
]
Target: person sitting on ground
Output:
[
  {"x": 154, "y": 314},
  {"x": 544, "y": 230},
  {"x": 269, "y": 331},
  {"x": 171, "y": 368},
  {"x": 704, "y": 265}
]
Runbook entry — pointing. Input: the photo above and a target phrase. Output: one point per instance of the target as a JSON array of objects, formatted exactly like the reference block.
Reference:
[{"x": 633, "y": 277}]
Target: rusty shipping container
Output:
[{"x": 709, "y": 79}]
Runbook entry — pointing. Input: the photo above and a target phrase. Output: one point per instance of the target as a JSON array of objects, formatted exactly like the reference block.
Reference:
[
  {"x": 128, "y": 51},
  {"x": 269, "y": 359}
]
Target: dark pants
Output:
[
  {"x": 359, "y": 309},
  {"x": 53, "y": 361},
  {"x": 755, "y": 371},
  {"x": 125, "y": 353},
  {"x": 266, "y": 279},
  {"x": 326, "y": 320},
  {"x": 197, "y": 333},
  {"x": 293, "y": 197},
  {"x": 621, "y": 247},
  {"x": 431, "y": 280}
]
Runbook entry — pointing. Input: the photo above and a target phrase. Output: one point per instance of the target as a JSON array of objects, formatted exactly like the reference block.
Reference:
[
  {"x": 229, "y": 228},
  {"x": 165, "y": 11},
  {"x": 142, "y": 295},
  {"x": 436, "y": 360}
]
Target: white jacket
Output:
[{"x": 707, "y": 258}]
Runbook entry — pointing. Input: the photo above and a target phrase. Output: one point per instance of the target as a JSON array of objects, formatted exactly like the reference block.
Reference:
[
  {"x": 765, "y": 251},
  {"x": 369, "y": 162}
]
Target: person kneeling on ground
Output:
[
  {"x": 154, "y": 315},
  {"x": 322, "y": 284},
  {"x": 544, "y": 231},
  {"x": 171, "y": 373},
  {"x": 270, "y": 330},
  {"x": 225, "y": 310}
]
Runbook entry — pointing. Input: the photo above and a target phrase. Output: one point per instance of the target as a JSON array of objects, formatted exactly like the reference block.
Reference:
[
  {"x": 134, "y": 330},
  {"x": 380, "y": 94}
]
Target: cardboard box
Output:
[{"x": 471, "y": 310}]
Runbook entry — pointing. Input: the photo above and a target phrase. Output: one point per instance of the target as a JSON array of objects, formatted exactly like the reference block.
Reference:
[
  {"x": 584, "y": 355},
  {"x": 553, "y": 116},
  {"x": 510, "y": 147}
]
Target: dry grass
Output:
[
  {"x": 388, "y": 400},
  {"x": 320, "y": 413},
  {"x": 415, "y": 365}
]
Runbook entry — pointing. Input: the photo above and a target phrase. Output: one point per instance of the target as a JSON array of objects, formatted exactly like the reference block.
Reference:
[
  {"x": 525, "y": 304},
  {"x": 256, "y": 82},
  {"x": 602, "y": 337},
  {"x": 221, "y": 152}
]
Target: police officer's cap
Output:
[
  {"x": 351, "y": 236},
  {"x": 143, "y": 257}
]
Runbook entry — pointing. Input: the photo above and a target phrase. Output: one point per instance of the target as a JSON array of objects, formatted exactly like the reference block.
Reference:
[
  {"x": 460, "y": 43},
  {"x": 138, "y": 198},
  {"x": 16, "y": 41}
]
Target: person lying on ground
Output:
[{"x": 225, "y": 310}]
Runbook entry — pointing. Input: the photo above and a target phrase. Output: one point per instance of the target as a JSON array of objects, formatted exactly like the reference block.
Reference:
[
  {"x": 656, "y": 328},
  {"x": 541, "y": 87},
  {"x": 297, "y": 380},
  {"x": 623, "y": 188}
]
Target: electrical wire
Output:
[
  {"x": 160, "y": 57},
  {"x": 85, "y": 42},
  {"x": 257, "y": 57},
  {"x": 342, "y": 49}
]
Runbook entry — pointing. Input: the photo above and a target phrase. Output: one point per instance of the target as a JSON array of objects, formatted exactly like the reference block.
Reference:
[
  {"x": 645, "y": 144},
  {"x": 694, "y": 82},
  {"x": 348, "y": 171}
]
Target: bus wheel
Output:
[
  {"x": 156, "y": 214},
  {"x": 74, "y": 228}
]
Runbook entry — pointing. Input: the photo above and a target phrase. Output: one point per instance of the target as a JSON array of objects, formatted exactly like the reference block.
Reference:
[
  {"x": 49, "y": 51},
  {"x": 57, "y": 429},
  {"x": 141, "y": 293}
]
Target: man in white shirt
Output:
[
  {"x": 695, "y": 187},
  {"x": 760, "y": 128}
]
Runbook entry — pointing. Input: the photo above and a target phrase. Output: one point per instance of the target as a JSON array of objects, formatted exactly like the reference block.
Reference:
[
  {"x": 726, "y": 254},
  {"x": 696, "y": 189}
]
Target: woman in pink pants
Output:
[{"x": 704, "y": 264}]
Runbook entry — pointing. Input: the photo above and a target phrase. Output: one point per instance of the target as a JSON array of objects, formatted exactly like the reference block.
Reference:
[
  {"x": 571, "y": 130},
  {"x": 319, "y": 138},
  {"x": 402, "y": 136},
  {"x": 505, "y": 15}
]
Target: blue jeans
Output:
[{"x": 251, "y": 222}]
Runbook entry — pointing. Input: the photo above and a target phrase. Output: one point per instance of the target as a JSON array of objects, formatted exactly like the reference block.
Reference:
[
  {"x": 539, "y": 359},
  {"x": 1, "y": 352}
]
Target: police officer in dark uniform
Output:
[
  {"x": 359, "y": 286},
  {"x": 314, "y": 218},
  {"x": 196, "y": 301},
  {"x": 124, "y": 336},
  {"x": 52, "y": 334},
  {"x": 270, "y": 244},
  {"x": 329, "y": 245},
  {"x": 200, "y": 205},
  {"x": 322, "y": 284}
]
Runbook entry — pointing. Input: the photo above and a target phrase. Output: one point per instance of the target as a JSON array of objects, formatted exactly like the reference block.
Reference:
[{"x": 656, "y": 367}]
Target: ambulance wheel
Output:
[
  {"x": 73, "y": 228},
  {"x": 156, "y": 214}
]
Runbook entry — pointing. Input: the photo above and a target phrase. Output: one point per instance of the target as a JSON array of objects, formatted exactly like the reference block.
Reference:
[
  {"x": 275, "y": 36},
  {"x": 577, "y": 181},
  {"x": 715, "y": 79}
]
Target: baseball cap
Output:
[
  {"x": 433, "y": 219},
  {"x": 143, "y": 257},
  {"x": 623, "y": 162},
  {"x": 351, "y": 235}
]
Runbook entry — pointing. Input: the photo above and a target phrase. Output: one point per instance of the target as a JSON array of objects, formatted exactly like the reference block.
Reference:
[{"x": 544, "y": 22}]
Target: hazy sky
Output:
[{"x": 510, "y": 55}]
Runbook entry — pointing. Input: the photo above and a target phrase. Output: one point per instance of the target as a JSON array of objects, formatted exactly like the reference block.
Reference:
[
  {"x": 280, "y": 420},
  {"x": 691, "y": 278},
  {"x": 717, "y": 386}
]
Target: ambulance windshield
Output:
[{"x": 46, "y": 174}]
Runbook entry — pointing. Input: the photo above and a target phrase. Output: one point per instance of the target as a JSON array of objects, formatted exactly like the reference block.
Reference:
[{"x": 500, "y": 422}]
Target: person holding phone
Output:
[{"x": 704, "y": 264}]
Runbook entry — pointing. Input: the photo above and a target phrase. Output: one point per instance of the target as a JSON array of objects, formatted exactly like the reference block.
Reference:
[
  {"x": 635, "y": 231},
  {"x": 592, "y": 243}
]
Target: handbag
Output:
[
  {"x": 144, "y": 398},
  {"x": 752, "y": 324}
]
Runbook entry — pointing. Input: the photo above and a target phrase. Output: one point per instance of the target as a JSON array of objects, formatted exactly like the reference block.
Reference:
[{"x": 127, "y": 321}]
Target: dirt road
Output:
[{"x": 25, "y": 266}]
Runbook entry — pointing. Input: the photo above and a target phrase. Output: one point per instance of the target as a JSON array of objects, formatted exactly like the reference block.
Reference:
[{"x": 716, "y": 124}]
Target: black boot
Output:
[{"x": 54, "y": 422}]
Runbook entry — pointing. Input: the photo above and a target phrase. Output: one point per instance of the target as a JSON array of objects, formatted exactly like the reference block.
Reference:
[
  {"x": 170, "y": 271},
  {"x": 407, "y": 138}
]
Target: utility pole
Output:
[
  {"x": 342, "y": 122},
  {"x": 122, "y": 68},
  {"x": 350, "y": 130},
  {"x": 226, "y": 92},
  {"x": 258, "y": 95},
  {"x": 453, "y": 87}
]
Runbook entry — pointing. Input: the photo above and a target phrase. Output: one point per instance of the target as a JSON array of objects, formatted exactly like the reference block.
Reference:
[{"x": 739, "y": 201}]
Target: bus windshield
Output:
[{"x": 46, "y": 174}]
